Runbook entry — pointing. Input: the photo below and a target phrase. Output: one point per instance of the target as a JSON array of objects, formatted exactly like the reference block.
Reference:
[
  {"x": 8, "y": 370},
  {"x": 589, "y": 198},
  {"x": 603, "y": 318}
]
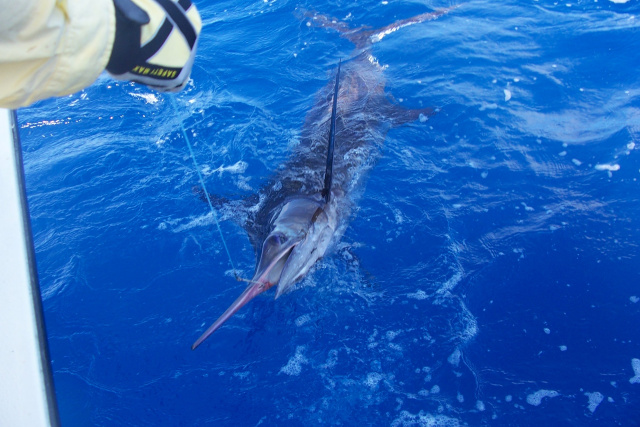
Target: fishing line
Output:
[{"x": 206, "y": 193}]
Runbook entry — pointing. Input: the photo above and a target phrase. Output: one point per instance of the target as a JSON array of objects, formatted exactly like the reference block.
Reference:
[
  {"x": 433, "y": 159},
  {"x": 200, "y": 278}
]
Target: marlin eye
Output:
[{"x": 278, "y": 238}]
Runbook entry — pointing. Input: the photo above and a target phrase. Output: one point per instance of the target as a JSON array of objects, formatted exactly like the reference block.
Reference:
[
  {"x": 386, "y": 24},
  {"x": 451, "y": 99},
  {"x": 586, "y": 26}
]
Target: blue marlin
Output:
[{"x": 304, "y": 209}]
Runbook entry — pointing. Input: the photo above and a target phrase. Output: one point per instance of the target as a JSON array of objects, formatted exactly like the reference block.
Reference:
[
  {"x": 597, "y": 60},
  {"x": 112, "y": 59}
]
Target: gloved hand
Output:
[{"x": 155, "y": 42}]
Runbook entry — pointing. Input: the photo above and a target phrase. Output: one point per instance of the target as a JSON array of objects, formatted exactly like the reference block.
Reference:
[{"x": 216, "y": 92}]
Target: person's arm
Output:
[
  {"x": 57, "y": 47},
  {"x": 52, "y": 48}
]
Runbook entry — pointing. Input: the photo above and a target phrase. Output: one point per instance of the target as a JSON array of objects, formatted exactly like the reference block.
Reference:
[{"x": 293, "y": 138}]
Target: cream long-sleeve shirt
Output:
[{"x": 52, "y": 47}]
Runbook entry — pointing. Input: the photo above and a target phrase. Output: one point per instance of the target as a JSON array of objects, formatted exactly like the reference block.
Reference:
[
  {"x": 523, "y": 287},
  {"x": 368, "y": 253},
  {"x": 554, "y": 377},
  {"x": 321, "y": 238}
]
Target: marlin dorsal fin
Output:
[{"x": 328, "y": 175}]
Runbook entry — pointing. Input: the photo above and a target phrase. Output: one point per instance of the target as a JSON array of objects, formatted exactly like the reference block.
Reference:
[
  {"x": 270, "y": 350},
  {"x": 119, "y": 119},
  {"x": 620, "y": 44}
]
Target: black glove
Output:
[{"x": 155, "y": 42}]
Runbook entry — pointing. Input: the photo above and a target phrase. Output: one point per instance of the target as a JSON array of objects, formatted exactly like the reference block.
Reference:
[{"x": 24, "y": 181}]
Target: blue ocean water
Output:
[{"x": 489, "y": 275}]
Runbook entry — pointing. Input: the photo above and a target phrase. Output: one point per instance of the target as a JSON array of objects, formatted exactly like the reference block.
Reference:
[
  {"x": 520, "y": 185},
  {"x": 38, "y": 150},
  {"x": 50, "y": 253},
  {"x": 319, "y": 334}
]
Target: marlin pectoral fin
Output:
[
  {"x": 236, "y": 209},
  {"x": 217, "y": 201}
]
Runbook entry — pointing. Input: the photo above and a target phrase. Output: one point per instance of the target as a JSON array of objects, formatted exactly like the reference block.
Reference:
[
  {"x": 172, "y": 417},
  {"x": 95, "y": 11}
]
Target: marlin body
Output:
[{"x": 303, "y": 210}]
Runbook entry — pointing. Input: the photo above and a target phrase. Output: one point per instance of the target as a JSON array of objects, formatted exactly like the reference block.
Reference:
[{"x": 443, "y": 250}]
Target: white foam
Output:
[
  {"x": 149, "y": 98},
  {"x": 607, "y": 167},
  {"x": 199, "y": 221},
  {"x": 419, "y": 295},
  {"x": 373, "y": 379},
  {"x": 238, "y": 167},
  {"x": 619, "y": 1},
  {"x": 294, "y": 365},
  {"x": 454, "y": 358},
  {"x": 471, "y": 328},
  {"x": 332, "y": 359},
  {"x": 507, "y": 94},
  {"x": 395, "y": 347},
  {"x": 422, "y": 418},
  {"x": 595, "y": 399},
  {"x": 635, "y": 364},
  {"x": 392, "y": 334},
  {"x": 302, "y": 320},
  {"x": 241, "y": 375},
  {"x": 487, "y": 106},
  {"x": 450, "y": 284},
  {"x": 527, "y": 208},
  {"x": 536, "y": 398},
  {"x": 398, "y": 215},
  {"x": 576, "y": 162}
]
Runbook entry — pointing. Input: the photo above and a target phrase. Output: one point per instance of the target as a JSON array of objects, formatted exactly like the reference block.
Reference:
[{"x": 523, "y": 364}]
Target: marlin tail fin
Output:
[{"x": 363, "y": 37}]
